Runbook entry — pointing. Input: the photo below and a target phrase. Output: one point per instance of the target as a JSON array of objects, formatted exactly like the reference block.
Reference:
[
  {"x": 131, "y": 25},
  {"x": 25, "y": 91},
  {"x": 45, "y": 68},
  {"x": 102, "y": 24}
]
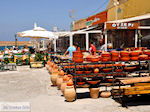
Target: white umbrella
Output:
[{"x": 37, "y": 32}]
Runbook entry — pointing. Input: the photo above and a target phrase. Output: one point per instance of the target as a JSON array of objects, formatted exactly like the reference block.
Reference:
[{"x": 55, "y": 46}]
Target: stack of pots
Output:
[
  {"x": 125, "y": 55},
  {"x": 70, "y": 93},
  {"x": 135, "y": 55},
  {"x": 115, "y": 55},
  {"x": 105, "y": 56},
  {"x": 147, "y": 52},
  {"x": 77, "y": 56}
]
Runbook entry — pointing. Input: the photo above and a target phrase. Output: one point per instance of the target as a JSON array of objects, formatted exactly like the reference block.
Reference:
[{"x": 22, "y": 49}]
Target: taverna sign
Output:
[{"x": 122, "y": 25}]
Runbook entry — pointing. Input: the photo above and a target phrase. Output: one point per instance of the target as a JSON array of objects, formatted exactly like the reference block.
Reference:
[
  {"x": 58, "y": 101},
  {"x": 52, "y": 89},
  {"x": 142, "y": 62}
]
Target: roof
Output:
[{"x": 142, "y": 17}]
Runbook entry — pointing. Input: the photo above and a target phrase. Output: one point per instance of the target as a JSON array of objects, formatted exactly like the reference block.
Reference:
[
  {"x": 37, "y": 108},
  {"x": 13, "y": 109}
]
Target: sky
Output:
[{"x": 20, "y": 15}]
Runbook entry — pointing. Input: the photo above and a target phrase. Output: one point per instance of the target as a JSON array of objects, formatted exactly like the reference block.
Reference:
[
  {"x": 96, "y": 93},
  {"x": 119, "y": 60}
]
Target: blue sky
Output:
[{"x": 20, "y": 15}]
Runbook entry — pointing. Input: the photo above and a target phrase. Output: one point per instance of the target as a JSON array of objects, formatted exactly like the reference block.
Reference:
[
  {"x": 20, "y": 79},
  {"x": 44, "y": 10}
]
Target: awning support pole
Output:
[
  {"x": 71, "y": 39},
  {"x": 55, "y": 46},
  {"x": 105, "y": 40},
  {"x": 87, "y": 41},
  {"x": 136, "y": 38}
]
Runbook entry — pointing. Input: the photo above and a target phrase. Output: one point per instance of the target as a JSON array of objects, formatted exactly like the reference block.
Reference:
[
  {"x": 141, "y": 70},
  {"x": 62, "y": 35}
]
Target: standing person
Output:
[
  {"x": 70, "y": 50},
  {"x": 92, "y": 49}
]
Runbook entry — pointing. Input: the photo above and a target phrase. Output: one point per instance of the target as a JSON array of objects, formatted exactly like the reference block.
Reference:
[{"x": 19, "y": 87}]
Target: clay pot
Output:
[
  {"x": 105, "y": 94},
  {"x": 118, "y": 70},
  {"x": 147, "y": 52},
  {"x": 143, "y": 57},
  {"x": 59, "y": 81},
  {"x": 135, "y": 53},
  {"x": 95, "y": 59},
  {"x": 78, "y": 55},
  {"x": 54, "y": 79},
  {"x": 70, "y": 93},
  {"x": 70, "y": 83},
  {"x": 77, "y": 60},
  {"x": 115, "y": 53},
  {"x": 79, "y": 72},
  {"x": 104, "y": 59},
  {"x": 135, "y": 58},
  {"x": 129, "y": 69},
  {"x": 124, "y": 53},
  {"x": 115, "y": 59},
  {"x": 94, "y": 92},
  {"x": 93, "y": 82},
  {"x": 87, "y": 72},
  {"x": 125, "y": 58},
  {"x": 80, "y": 83},
  {"x": 107, "y": 69},
  {"x": 106, "y": 54},
  {"x": 63, "y": 86}
]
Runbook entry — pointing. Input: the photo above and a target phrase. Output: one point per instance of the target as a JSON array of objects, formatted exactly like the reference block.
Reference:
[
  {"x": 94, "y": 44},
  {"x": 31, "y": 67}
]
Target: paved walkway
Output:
[{"x": 33, "y": 85}]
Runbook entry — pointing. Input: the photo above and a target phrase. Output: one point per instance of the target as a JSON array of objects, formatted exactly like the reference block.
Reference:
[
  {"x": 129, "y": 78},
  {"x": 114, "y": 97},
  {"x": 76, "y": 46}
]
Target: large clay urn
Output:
[
  {"x": 94, "y": 92},
  {"x": 64, "y": 83},
  {"x": 70, "y": 93},
  {"x": 105, "y": 94},
  {"x": 54, "y": 78}
]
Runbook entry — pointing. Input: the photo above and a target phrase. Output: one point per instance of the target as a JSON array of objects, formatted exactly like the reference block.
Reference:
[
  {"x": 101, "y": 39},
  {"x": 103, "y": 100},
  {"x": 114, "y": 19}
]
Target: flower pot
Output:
[
  {"x": 124, "y": 53},
  {"x": 135, "y": 53},
  {"x": 105, "y": 94},
  {"x": 94, "y": 92},
  {"x": 125, "y": 58},
  {"x": 70, "y": 93}
]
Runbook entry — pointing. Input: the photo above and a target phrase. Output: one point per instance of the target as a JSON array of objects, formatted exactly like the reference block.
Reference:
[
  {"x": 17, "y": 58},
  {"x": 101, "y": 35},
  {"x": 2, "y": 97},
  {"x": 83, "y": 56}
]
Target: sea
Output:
[{"x": 3, "y": 47}]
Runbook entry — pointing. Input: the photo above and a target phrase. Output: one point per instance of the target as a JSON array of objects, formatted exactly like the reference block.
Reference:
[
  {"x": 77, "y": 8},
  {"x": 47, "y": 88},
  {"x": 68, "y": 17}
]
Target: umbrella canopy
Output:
[
  {"x": 147, "y": 37},
  {"x": 37, "y": 32}
]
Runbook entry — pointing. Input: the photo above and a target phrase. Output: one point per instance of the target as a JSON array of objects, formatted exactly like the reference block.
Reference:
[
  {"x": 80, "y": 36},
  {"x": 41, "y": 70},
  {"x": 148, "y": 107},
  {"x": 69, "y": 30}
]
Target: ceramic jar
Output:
[
  {"x": 70, "y": 93},
  {"x": 94, "y": 92}
]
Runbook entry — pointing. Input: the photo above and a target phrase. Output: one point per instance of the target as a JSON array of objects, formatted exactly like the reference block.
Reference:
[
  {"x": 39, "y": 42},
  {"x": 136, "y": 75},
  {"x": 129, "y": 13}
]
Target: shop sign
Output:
[
  {"x": 96, "y": 19},
  {"x": 122, "y": 25}
]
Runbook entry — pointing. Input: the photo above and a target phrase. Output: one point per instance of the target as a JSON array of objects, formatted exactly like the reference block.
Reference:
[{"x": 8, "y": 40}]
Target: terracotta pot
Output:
[
  {"x": 105, "y": 94},
  {"x": 79, "y": 72},
  {"x": 143, "y": 57},
  {"x": 118, "y": 70},
  {"x": 61, "y": 73},
  {"x": 107, "y": 69},
  {"x": 105, "y": 59},
  {"x": 54, "y": 79},
  {"x": 125, "y": 58},
  {"x": 80, "y": 83},
  {"x": 115, "y": 59},
  {"x": 59, "y": 81},
  {"x": 93, "y": 82},
  {"x": 135, "y": 53},
  {"x": 105, "y": 54},
  {"x": 134, "y": 58},
  {"x": 87, "y": 72},
  {"x": 63, "y": 86},
  {"x": 70, "y": 83},
  {"x": 115, "y": 53},
  {"x": 129, "y": 69},
  {"x": 96, "y": 59},
  {"x": 78, "y": 55},
  {"x": 147, "y": 52},
  {"x": 78, "y": 60},
  {"x": 94, "y": 92},
  {"x": 70, "y": 93},
  {"x": 124, "y": 53}
]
